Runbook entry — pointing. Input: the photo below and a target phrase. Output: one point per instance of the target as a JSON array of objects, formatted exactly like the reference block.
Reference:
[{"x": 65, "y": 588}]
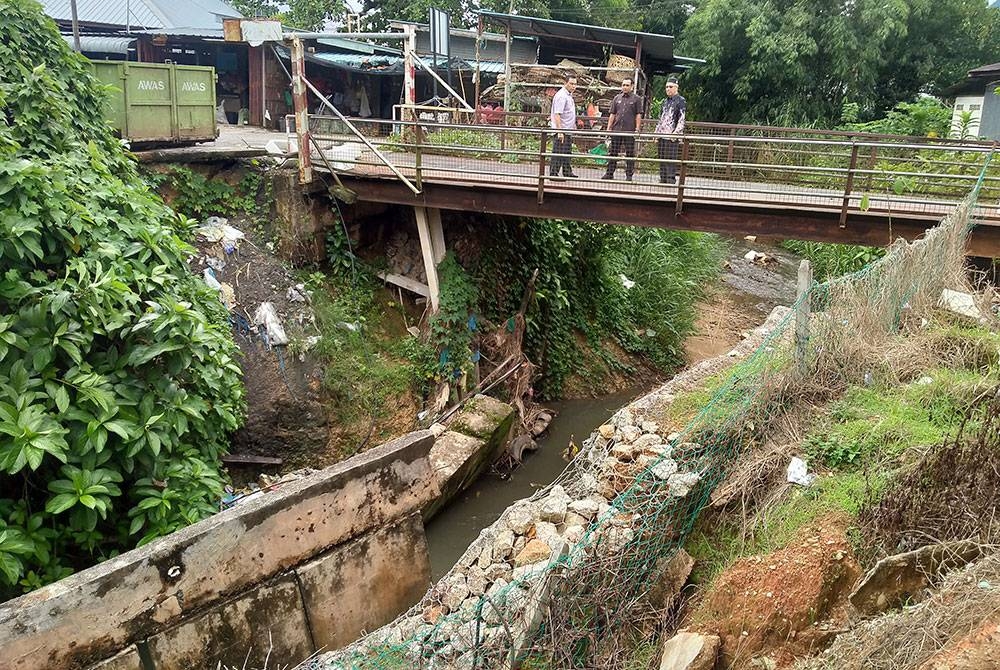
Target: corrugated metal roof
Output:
[
  {"x": 102, "y": 44},
  {"x": 215, "y": 33},
  {"x": 659, "y": 48},
  {"x": 357, "y": 46},
  {"x": 144, "y": 13}
]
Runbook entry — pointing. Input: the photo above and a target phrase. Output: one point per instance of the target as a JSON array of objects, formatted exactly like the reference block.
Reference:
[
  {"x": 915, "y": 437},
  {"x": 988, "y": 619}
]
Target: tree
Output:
[
  {"x": 118, "y": 380},
  {"x": 301, "y": 14},
  {"x": 797, "y": 61}
]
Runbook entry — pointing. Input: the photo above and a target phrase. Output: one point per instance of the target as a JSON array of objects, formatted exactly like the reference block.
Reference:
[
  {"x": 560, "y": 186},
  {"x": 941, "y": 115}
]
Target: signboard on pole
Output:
[{"x": 440, "y": 21}]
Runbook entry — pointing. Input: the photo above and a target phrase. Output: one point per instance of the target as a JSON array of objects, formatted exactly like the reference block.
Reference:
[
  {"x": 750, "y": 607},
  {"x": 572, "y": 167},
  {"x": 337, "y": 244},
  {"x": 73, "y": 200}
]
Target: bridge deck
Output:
[{"x": 701, "y": 202}]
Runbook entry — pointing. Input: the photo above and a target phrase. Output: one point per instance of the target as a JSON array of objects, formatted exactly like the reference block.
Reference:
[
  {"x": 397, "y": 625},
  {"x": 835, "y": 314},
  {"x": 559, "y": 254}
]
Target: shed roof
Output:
[
  {"x": 657, "y": 49},
  {"x": 985, "y": 70},
  {"x": 145, "y": 13}
]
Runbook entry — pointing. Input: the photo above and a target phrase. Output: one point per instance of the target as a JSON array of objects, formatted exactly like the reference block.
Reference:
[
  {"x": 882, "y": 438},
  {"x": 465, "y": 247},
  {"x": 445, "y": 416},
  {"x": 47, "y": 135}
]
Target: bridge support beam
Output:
[{"x": 431, "y": 248}]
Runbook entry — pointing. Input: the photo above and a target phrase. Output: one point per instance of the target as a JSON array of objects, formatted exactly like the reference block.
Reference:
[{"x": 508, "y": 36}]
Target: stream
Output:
[{"x": 742, "y": 297}]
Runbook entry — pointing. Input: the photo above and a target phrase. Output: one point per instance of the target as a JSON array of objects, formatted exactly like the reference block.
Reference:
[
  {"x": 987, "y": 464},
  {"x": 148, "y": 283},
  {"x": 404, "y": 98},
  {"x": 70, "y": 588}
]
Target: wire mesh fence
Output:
[{"x": 563, "y": 580}]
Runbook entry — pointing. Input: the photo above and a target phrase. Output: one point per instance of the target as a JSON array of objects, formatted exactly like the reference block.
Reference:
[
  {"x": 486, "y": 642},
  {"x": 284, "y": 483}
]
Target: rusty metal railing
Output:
[{"x": 805, "y": 169}]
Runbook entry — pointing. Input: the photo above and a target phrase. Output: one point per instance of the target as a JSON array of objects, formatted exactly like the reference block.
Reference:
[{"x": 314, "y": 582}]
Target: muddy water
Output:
[
  {"x": 741, "y": 299},
  {"x": 456, "y": 526}
]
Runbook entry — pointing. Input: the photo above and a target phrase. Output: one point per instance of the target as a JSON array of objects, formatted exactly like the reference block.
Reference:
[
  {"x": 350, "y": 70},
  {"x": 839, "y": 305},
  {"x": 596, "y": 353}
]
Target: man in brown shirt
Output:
[{"x": 625, "y": 117}]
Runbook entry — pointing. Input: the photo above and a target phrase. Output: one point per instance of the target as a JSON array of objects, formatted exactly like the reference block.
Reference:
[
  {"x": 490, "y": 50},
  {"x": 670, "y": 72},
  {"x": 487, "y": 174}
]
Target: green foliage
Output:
[
  {"x": 340, "y": 259},
  {"x": 927, "y": 117},
  {"x": 118, "y": 382},
  {"x": 366, "y": 368},
  {"x": 580, "y": 290},
  {"x": 453, "y": 325},
  {"x": 834, "y": 260},
  {"x": 871, "y": 424},
  {"x": 198, "y": 196},
  {"x": 792, "y": 62},
  {"x": 301, "y": 14}
]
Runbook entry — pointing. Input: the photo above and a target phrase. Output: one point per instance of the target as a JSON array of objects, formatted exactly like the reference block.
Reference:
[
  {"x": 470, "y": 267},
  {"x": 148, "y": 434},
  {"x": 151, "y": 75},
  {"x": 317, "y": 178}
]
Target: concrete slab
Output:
[
  {"x": 270, "y": 619},
  {"x": 126, "y": 660},
  {"x": 98, "y": 611},
  {"x": 366, "y": 583}
]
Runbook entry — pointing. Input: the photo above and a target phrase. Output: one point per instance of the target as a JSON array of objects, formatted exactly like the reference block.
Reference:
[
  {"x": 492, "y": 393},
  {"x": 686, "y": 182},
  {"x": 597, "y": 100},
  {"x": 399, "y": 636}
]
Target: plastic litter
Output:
[
  {"x": 296, "y": 293},
  {"x": 626, "y": 282},
  {"x": 210, "y": 279},
  {"x": 227, "y": 295},
  {"x": 267, "y": 316},
  {"x": 798, "y": 474},
  {"x": 217, "y": 229}
]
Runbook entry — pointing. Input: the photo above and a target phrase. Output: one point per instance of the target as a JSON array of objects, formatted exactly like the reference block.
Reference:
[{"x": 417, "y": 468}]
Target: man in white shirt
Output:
[{"x": 563, "y": 120}]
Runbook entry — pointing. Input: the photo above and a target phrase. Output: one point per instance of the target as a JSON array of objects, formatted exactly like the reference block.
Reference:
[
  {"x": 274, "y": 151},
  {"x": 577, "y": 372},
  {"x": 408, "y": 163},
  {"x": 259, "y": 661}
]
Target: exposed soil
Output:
[
  {"x": 741, "y": 298},
  {"x": 286, "y": 417},
  {"x": 785, "y": 604}
]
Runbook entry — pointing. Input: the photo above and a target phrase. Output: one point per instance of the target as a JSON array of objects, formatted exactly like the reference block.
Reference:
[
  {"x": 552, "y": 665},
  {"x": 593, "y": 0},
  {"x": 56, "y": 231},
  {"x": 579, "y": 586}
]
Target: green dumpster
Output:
[{"x": 160, "y": 103}]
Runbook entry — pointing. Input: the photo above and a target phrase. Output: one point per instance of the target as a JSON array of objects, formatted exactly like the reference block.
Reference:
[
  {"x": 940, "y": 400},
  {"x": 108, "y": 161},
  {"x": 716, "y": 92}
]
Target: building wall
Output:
[
  {"x": 989, "y": 126},
  {"x": 967, "y": 103}
]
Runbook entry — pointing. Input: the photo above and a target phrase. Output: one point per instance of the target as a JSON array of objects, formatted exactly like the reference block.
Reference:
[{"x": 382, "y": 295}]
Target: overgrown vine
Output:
[{"x": 118, "y": 380}]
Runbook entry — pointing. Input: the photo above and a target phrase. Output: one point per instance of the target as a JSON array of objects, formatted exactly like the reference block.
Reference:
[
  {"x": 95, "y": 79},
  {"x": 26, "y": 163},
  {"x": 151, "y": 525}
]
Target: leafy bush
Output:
[
  {"x": 584, "y": 269},
  {"x": 925, "y": 117},
  {"x": 198, "y": 196},
  {"x": 453, "y": 324},
  {"x": 834, "y": 260},
  {"x": 118, "y": 378}
]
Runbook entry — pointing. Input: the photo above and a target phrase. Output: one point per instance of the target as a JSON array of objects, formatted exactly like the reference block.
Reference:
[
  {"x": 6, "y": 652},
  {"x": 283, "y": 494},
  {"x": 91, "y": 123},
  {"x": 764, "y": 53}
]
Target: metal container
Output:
[{"x": 160, "y": 103}]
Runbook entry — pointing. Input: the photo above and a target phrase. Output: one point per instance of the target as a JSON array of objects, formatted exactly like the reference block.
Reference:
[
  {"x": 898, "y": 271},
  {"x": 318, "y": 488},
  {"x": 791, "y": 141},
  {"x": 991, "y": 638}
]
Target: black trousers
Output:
[
  {"x": 617, "y": 144},
  {"x": 561, "y": 163},
  {"x": 667, "y": 150}
]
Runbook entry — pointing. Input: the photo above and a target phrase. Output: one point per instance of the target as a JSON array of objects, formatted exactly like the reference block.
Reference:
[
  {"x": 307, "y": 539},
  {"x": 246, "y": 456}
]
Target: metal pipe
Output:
[
  {"x": 395, "y": 171},
  {"x": 350, "y": 36},
  {"x": 76, "y": 26},
  {"x": 437, "y": 78}
]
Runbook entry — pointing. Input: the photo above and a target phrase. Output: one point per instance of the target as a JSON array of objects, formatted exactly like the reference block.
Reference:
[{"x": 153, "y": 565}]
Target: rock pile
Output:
[{"x": 498, "y": 589}]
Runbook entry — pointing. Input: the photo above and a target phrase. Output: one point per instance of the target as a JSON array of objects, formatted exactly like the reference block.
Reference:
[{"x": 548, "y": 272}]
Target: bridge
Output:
[{"x": 827, "y": 186}]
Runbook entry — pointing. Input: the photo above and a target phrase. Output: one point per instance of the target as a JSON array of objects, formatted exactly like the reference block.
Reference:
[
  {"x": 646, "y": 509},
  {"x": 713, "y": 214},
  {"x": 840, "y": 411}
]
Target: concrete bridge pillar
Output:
[{"x": 432, "y": 248}]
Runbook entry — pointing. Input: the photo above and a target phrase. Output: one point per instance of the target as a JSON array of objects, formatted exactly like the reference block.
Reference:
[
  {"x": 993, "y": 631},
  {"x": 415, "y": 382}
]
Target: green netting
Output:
[{"x": 575, "y": 610}]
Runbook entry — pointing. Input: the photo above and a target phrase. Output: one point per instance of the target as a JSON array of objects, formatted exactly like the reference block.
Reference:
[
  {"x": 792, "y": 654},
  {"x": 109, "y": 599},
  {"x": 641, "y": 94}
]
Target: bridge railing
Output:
[{"x": 751, "y": 166}]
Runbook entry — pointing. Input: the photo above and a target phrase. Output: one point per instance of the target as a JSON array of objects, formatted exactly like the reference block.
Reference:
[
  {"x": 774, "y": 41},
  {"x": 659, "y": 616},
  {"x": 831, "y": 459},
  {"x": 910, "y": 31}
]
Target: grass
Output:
[
  {"x": 870, "y": 429},
  {"x": 717, "y": 548},
  {"x": 370, "y": 362},
  {"x": 876, "y": 424}
]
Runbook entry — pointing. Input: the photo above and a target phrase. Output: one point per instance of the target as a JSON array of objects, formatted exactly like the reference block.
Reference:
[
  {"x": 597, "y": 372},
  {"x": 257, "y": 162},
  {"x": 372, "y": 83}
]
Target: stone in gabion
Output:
[
  {"x": 454, "y": 590},
  {"x": 665, "y": 469},
  {"x": 587, "y": 508},
  {"x": 573, "y": 534},
  {"x": 521, "y": 517},
  {"x": 647, "y": 441},
  {"x": 497, "y": 572},
  {"x": 503, "y": 545},
  {"x": 548, "y": 533},
  {"x": 476, "y": 580},
  {"x": 680, "y": 484},
  {"x": 534, "y": 552},
  {"x": 552, "y": 507},
  {"x": 629, "y": 434}
]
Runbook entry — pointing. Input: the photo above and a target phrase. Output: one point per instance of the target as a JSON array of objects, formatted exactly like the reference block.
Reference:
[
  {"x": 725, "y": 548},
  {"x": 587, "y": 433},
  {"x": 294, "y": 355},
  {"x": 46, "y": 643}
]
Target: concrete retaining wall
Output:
[{"x": 295, "y": 570}]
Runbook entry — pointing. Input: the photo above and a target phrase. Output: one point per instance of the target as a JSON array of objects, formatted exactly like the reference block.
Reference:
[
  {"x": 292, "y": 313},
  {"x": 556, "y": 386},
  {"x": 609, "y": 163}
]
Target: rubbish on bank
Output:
[{"x": 267, "y": 316}]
